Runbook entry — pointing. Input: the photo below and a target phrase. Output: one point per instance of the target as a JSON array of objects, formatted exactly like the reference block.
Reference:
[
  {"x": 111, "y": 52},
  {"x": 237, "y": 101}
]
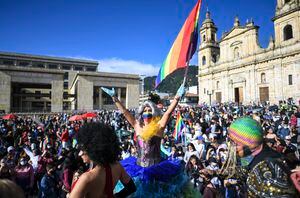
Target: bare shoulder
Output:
[
  {"x": 86, "y": 177},
  {"x": 82, "y": 187}
]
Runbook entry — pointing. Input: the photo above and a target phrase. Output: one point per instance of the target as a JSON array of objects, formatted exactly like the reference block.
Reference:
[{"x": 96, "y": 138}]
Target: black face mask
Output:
[{"x": 246, "y": 151}]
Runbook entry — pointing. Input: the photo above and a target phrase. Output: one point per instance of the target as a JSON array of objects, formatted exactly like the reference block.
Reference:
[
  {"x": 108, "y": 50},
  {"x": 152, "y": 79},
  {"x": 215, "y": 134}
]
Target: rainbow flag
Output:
[
  {"x": 179, "y": 54},
  {"x": 178, "y": 126}
]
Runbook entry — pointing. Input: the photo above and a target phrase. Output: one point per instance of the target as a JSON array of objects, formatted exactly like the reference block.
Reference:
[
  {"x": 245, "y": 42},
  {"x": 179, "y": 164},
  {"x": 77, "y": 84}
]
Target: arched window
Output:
[
  {"x": 203, "y": 60},
  {"x": 212, "y": 37},
  {"x": 286, "y": 1},
  {"x": 236, "y": 53},
  {"x": 287, "y": 32},
  {"x": 218, "y": 84},
  {"x": 204, "y": 38},
  {"x": 263, "y": 78}
]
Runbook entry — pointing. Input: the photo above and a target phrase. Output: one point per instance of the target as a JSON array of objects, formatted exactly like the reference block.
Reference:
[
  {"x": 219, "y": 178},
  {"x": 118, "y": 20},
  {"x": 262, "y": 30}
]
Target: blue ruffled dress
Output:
[{"x": 153, "y": 176}]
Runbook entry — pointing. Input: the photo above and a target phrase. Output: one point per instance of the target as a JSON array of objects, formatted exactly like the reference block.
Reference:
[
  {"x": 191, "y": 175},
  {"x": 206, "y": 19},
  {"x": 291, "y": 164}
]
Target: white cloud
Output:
[{"x": 118, "y": 65}]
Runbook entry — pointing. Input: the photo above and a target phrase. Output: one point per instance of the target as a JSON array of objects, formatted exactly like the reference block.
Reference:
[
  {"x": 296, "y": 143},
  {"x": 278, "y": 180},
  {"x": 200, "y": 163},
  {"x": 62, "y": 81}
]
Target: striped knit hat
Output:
[{"x": 246, "y": 131}]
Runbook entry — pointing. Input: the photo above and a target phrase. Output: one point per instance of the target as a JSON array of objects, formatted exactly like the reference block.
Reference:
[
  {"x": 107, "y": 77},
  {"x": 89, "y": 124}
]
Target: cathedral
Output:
[{"x": 236, "y": 69}]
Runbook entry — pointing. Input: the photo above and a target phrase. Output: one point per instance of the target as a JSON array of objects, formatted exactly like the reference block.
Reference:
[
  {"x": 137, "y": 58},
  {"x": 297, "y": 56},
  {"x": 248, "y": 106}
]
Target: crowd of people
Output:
[{"x": 41, "y": 154}]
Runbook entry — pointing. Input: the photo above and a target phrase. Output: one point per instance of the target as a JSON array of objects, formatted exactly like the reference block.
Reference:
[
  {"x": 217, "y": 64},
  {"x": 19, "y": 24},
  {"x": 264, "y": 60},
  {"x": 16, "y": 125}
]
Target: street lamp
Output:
[
  {"x": 209, "y": 93},
  {"x": 142, "y": 78}
]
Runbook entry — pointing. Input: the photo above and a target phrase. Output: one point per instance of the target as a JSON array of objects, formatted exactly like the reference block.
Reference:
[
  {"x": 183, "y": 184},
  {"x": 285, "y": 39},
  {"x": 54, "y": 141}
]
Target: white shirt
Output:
[
  {"x": 199, "y": 147},
  {"x": 188, "y": 154},
  {"x": 33, "y": 159}
]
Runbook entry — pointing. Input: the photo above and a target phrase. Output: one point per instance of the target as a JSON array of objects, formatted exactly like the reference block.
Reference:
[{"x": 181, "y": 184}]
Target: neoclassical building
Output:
[{"x": 235, "y": 68}]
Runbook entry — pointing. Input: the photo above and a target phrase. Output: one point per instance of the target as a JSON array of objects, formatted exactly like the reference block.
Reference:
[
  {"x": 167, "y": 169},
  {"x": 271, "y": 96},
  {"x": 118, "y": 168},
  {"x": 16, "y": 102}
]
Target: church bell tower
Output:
[{"x": 287, "y": 22}]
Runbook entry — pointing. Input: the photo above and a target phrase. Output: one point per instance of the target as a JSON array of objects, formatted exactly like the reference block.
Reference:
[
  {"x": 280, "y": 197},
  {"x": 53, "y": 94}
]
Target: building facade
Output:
[
  {"x": 31, "y": 83},
  {"x": 237, "y": 69}
]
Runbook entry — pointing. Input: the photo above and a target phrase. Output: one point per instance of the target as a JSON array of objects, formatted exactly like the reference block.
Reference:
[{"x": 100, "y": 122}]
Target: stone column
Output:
[
  {"x": 85, "y": 94},
  {"x": 119, "y": 94},
  {"x": 132, "y": 95},
  {"x": 278, "y": 82},
  {"x": 5, "y": 93},
  {"x": 57, "y": 89},
  {"x": 225, "y": 88},
  {"x": 100, "y": 99},
  {"x": 251, "y": 84}
]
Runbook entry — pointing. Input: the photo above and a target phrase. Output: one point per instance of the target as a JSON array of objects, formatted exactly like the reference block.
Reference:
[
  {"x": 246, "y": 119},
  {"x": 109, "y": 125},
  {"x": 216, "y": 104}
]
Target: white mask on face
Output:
[{"x": 23, "y": 163}]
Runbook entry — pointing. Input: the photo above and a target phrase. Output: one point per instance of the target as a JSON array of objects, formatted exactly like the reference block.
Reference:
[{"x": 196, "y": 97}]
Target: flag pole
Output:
[{"x": 188, "y": 62}]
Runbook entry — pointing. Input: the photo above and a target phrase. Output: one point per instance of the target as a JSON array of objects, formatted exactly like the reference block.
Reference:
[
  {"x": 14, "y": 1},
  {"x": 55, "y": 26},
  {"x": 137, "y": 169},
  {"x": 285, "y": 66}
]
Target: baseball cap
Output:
[
  {"x": 200, "y": 137},
  {"x": 288, "y": 137},
  {"x": 10, "y": 148}
]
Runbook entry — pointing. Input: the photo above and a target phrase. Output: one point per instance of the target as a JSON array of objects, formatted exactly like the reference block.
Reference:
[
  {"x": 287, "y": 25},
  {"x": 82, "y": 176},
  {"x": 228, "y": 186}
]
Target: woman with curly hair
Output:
[{"x": 101, "y": 145}]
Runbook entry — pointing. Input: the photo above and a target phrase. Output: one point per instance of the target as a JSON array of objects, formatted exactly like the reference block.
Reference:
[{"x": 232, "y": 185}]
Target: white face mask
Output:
[
  {"x": 23, "y": 163},
  {"x": 214, "y": 165}
]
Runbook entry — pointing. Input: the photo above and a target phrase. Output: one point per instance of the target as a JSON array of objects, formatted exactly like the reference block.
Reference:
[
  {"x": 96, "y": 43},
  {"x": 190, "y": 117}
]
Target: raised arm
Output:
[
  {"x": 120, "y": 106},
  {"x": 164, "y": 120}
]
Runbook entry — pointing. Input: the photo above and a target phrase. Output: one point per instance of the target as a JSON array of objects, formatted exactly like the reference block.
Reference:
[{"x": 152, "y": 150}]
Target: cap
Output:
[
  {"x": 212, "y": 135},
  {"x": 246, "y": 131},
  {"x": 10, "y": 148},
  {"x": 288, "y": 137},
  {"x": 200, "y": 137}
]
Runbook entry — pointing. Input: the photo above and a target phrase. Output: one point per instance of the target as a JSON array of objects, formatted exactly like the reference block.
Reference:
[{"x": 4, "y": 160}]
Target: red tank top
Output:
[{"x": 108, "y": 189}]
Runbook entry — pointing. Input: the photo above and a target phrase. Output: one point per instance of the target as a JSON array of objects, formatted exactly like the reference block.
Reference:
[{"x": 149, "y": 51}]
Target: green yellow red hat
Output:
[{"x": 246, "y": 131}]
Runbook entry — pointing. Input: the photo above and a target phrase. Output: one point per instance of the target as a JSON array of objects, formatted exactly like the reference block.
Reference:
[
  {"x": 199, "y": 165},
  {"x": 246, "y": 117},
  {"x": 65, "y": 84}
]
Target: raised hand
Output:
[
  {"x": 110, "y": 92},
  {"x": 181, "y": 90}
]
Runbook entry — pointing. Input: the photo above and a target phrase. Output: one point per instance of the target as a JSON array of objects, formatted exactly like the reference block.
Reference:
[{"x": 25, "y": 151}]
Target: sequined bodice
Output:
[{"x": 149, "y": 151}]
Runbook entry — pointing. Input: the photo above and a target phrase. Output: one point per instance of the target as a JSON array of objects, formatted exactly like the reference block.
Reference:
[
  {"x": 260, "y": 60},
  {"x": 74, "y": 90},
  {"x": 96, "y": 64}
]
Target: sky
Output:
[{"x": 125, "y": 36}]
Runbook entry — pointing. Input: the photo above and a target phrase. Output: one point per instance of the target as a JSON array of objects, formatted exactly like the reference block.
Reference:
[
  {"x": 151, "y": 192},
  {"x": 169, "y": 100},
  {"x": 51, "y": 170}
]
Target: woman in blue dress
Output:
[{"x": 161, "y": 176}]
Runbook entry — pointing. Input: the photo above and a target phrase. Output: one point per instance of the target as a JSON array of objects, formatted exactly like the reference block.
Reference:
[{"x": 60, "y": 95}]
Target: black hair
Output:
[
  {"x": 100, "y": 142},
  {"x": 192, "y": 145},
  {"x": 50, "y": 166}
]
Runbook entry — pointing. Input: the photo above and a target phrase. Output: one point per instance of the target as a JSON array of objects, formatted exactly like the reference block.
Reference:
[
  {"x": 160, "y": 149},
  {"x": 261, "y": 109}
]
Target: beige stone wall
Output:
[
  {"x": 249, "y": 77},
  {"x": 5, "y": 93},
  {"x": 132, "y": 95},
  {"x": 57, "y": 94},
  {"x": 85, "y": 94},
  {"x": 243, "y": 38}
]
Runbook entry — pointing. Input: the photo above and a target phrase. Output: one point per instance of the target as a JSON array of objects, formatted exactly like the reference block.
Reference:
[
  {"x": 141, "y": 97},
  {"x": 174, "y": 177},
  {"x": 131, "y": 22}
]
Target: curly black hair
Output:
[{"x": 100, "y": 142}]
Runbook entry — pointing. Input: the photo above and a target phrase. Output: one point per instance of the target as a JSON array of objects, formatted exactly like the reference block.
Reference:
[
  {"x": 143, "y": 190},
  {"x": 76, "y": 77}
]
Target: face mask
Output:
[
  {"x": 247, "y": 151},
  {"x": 147, "y": 116},
  {"x": 23, "y": 163},
  {"x": 223, "y": 156},
  {"x": 214, "y": 165},
  {"x": 245, "y": 161}
]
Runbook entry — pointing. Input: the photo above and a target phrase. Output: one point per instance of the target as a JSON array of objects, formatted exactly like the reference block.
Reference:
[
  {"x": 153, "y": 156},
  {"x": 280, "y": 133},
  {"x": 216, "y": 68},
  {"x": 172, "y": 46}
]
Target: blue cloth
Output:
[
  {"x": 163, "y": 171},
  {"x": 283, "y": 132},
  {"x": 48, "y": 187},
  {"x": 166, "y": 179}
]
